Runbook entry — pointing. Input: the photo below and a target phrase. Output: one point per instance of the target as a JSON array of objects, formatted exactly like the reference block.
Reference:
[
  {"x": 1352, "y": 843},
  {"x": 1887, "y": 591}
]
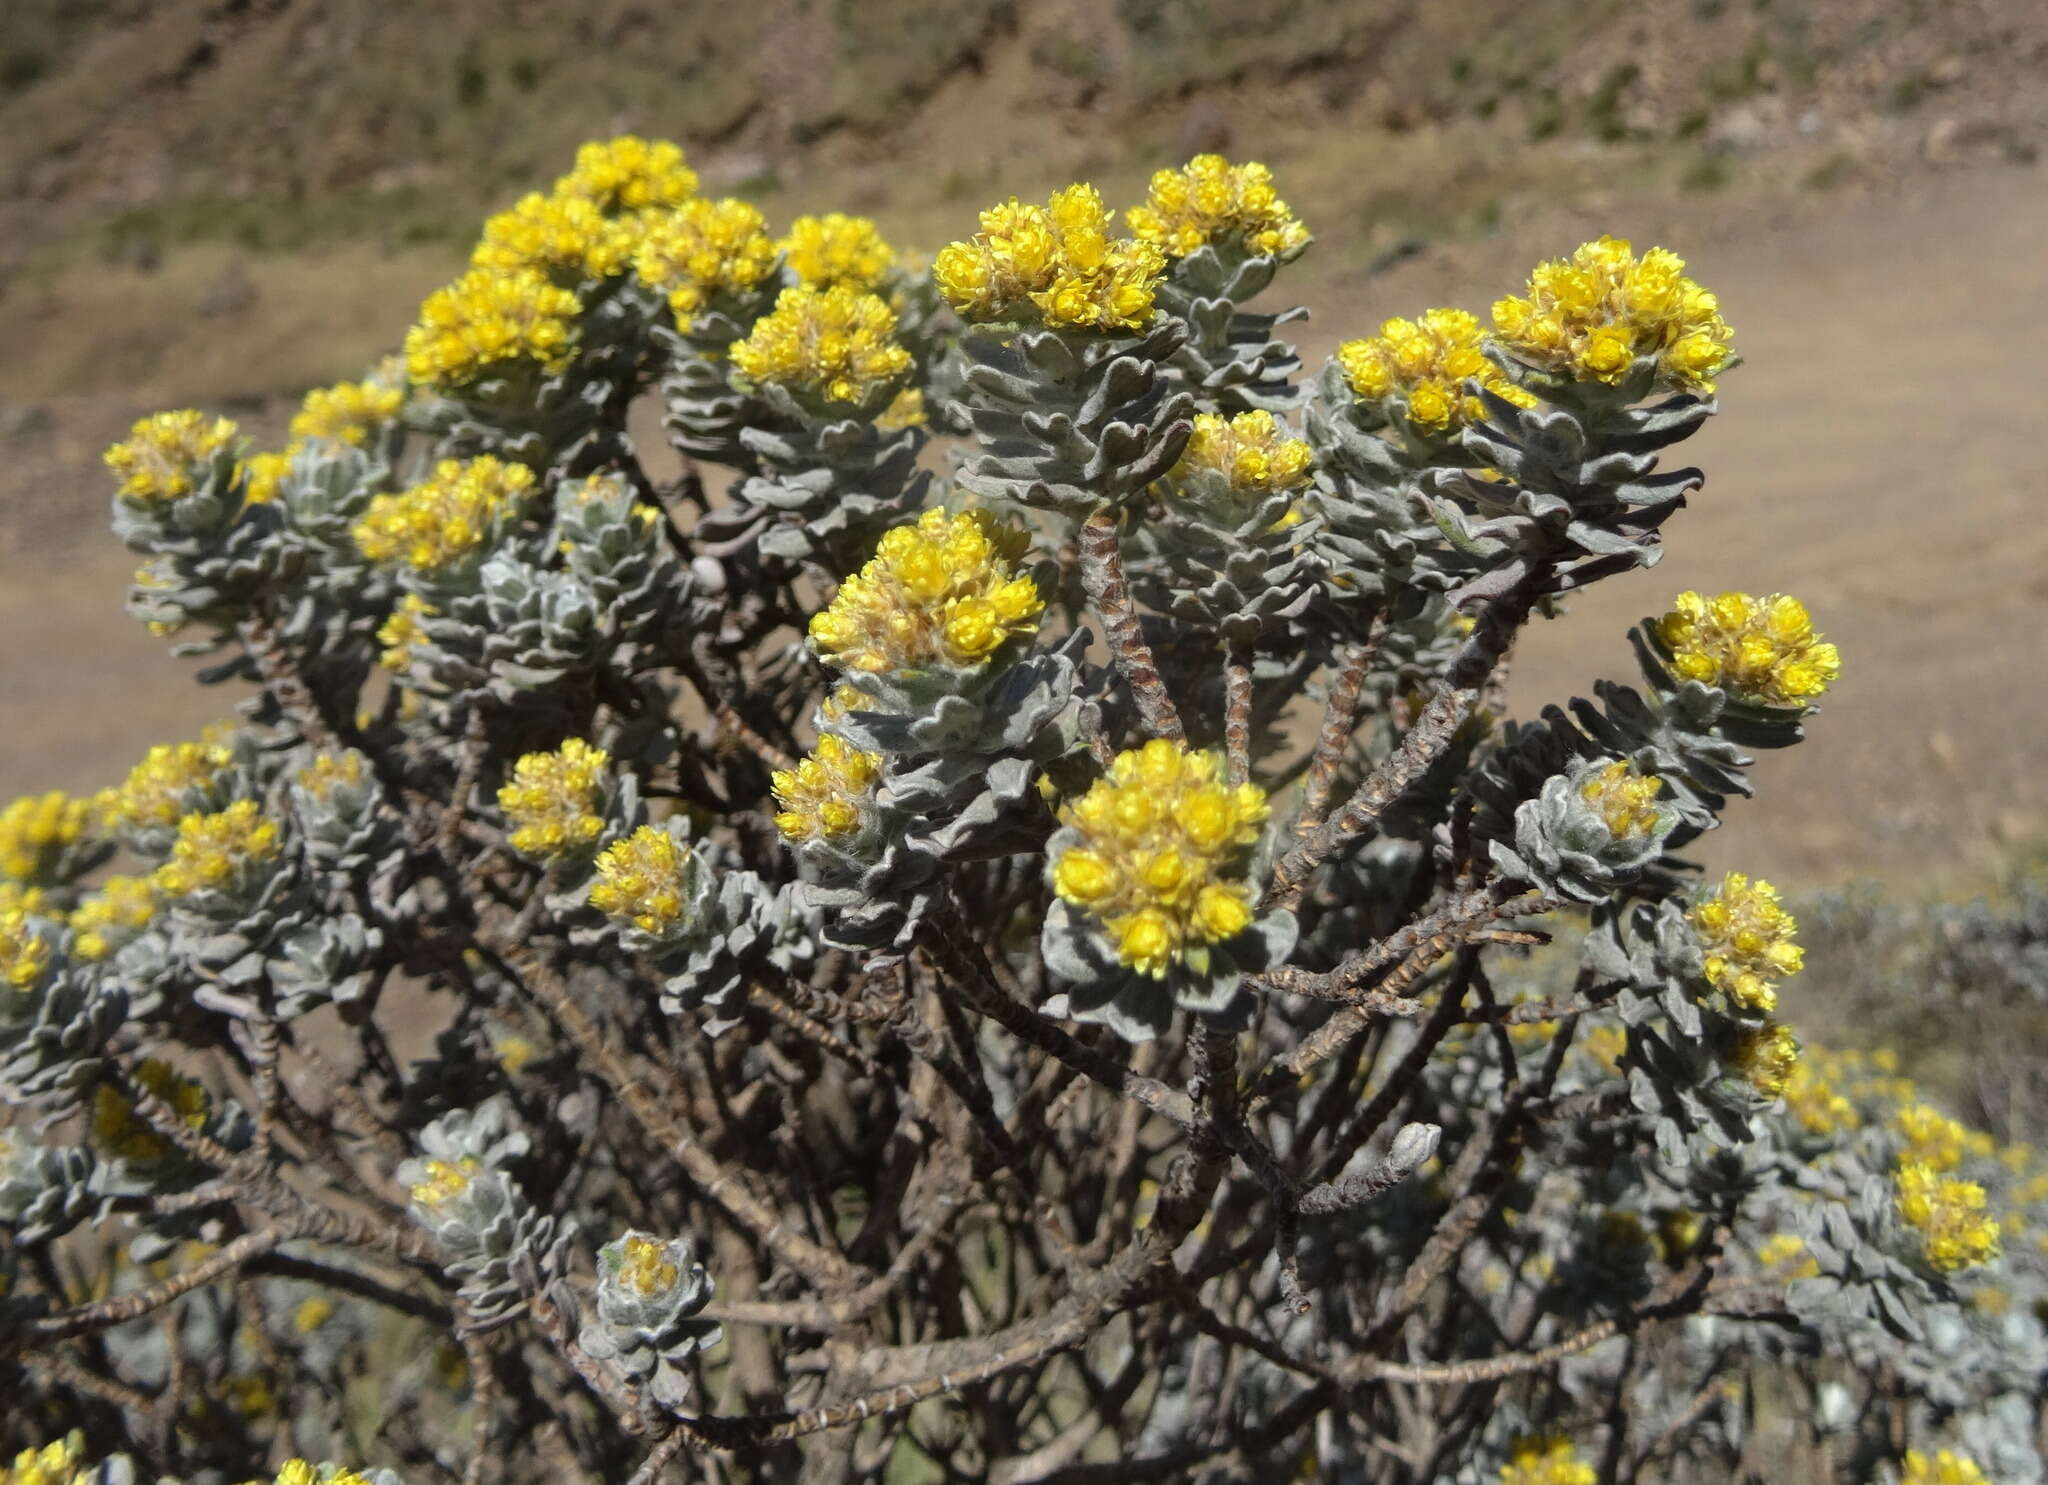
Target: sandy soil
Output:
[{"x": 1876, "y": 456}]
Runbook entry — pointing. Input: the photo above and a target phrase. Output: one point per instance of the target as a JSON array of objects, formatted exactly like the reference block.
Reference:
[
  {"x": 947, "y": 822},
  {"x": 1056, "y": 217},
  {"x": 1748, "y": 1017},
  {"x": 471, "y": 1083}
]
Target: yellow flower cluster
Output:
[
  {"x": 1427, "y": 362},
  {"x": 399, "y": 633},
  {"x": 24, "y": 953},
  {"x": 1955, "y": 1232},
  {"x": 1786, "y": 1252},
  {"x": 825, "y": 252},
  {"x": 837, "y": 344},
  {"x": 1164, "y": 838},
  {"x": 447, "y": 519},
  {"x": 1591, "y": 315},
  {"x": 1767, "y": 1055},
  {"x": 1546, "y": 1459},
  {"x": 329, "y": 771},
  {"x": 645, "y": 1267},
  {"x": 1761, "y": 649},
  {"x": 110, "y": 917},
  {"x": 559, "y": 236},
  {"x": 1251, "y": 450},
  {"x": 265, "y": 483},
  {"x": 124, "y": 1134},
  {"x": 445, "y": 1181},
  {"x": 551, "y": 802},
  {"x": 1625, "y": 800},
  {"x": 1937, "y": 1141},
  {"x": 703, "y": 250},
  {"x": 312, "y": 1313},
  {"x": 154, "y": 791},
  {"x": 905, "y": 410},
  {"x": 942, "y": 591},
  {"x": 1943, "y": 1468},
  {"x": 305, "y": 1472},
  {"x": 640, "y": 880},
  {"x": 487, "y": 318},
  {"x": 155, "y": 462},
  {"x": 59, "y": 1463},
  {"x": 1815, "y": 1103},
  {"x": 348, "y": 411},
  {"x": 33, "y": 829},
  {"x": 629, "y": 173},
  {"x": 1058, "y": 260},
  {"x": 1212, "y": 200},
  {"x": 1747, "y": 937},
  {"x": 211, "y": 850},
  {"x": 828, "y": 794}
]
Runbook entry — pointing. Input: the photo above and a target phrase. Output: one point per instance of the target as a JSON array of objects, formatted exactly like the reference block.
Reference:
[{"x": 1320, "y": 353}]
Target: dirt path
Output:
[{"x": 1876, "y": 456}]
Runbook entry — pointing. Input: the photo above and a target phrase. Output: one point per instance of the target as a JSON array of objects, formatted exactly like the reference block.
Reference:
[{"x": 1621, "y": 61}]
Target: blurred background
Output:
[{"x": 221, "y": 203}]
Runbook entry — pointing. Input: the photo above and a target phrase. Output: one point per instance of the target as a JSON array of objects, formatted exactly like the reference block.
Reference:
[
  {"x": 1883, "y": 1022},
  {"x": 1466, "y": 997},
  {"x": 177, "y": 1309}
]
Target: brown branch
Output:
[
  {"x": 1237, "y": 713},
  {"x": 1333, "y": 740},
  {"x": 1109, "y": 594},
  {"x": 122, "y": 1308}
]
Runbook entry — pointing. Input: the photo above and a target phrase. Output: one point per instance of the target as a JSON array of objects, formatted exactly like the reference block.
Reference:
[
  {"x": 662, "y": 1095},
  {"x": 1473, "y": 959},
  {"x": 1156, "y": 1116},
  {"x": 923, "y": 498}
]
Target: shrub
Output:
[{"x": 1057, "y": 971}]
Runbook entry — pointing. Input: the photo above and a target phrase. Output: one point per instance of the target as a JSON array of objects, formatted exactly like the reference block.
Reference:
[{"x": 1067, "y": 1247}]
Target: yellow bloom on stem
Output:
[
  {"x": 641, "y": 880},
  {"x": 103, "y": 922},
  {"x": 828, "y": 251},
  {"x": 1426, "y": 363},
  {"x": 445, "y": 1180},
  {"x": 1211, "y": 200},
  {"x": 551, "y": 803},
  {"x": 1762, "y": 650},
  {"x": 266, "y": 474},
  {"x": 1786, "y": 1251},
  {"x": 329, "y": 771},
  {"x": 1943, "y": 1468},
  {"x": 155, "y": 791},
  {"x": 35, "y": 828},
  {"x": 1747, "y": 939},
  {"x": 1057, "y": 261},
  {"x": 1815, "y": 1104},
  {"x": 1251, "y": 450},
  {"x": 211, "y": 851},
  {"x": 629, "y": 173},
  {"x": 1932, "y": 1138},
  {"x": 450, "y": 517},
  {"x": 940, "y": 591},
  {"x": 829, "y": 795},
  {"x": 645, "y": 1268},
  {"x": 156, "y": 461},
  {"x": 905, "y": 410},
  {"x": 1955, "y": 1232},
  {"x": 555, "y": 235},
  {"x": 24, "y": 953},
  {"x": 348, "y": 411},
  {"x": 1546, "y": 1459},
  {"x": 837, "y": 344},
  {"x": 702, "y": 251},
  {"x": 1766, "y": 1056},
  {"x": 487, "y": 319},
  {"x": 403, "y": 630},
  {"x": 1164, "y": 844},
  {"x": 59, "y": 1463},
  {"x": 1625, "y": 799},
  {"x": 1592, "y": 315}
]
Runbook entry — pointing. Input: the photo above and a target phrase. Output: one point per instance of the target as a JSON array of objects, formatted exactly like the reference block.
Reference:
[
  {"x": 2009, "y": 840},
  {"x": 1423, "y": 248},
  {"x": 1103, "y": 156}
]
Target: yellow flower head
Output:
[
  {"x": 835, "y": 344},
  {"x": 486, "y": 319},
  {"x": 642, "y": 880},
  {"x": 1625, "y": 800},
  {"x": 312, "y": 1313},
  {"x": 1786, "y": 1251},
  {"x": 1591, "y": 315},
  {"x": 266, "y": 474},
  {"x": 1955, "y": 1232},
  {"x": 564, "y": 237},
  {"x": 829, "y": 795},
  {"x": 445, "y": 1180},
  {"x": 1164, "y": 843},
  {"x": 1426, "y": 364},
  {"x": 1605, "y": 1045},
  {"x": 122, "y": 1133},
  {"x": 1815, "y": 1104},
  {"x": 1212, "y": 200},
  {"x": 403, "y": 630},
  {"x": 551, "y": 803},
  {"x": 941, "y": 591},
  {"x": 452, "y": 517},
  {"x": 1932, "y": 1138},
  {"x": 629, "y": 174},
  {"x": 330, "y": 771},
  {"x": 1057, "y": 261},
  {"x": 157, "y": 789},
  {"x": 905, "y": 410},
  {"x": 1766, "y": 1056},
  {"x": 212, "y": 851},
  {"x": 825, "y": 252},
  {"x": 24, "y": 953},
  {"x": 1546, "y": 1459},
  {"x": 35, "y": 828},
  {"x": 644, "y": 1267},
  {"x": 59, "y": 1463},
  {"x": 1251, "y": 450},
  {"x": 1943, "y": 1468},
  {"x": 110, "y": 917},
  {"x": 1762, "y": 650},
  {"x": 348, "y": 411},
  {"x": 156, "y": 461},
  {"x": 702, "y": 251},
  {"x": 1747, "y": 939}
]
